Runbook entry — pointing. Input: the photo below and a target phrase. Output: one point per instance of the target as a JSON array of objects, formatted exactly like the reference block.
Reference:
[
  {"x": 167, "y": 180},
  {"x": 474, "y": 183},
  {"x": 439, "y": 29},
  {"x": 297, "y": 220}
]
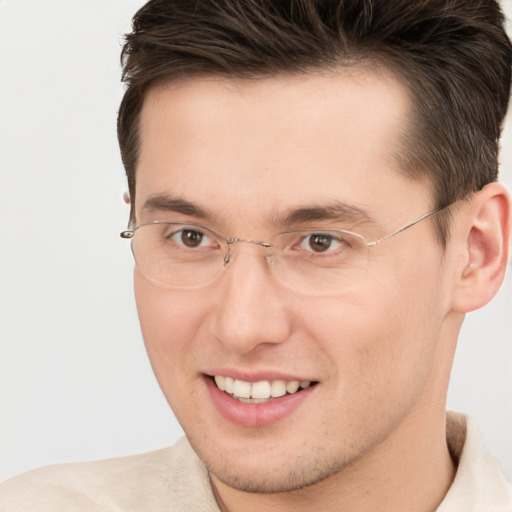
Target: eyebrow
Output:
[
  {"x": 334, "y": 211},
  {"x": 167, "y": 203}
]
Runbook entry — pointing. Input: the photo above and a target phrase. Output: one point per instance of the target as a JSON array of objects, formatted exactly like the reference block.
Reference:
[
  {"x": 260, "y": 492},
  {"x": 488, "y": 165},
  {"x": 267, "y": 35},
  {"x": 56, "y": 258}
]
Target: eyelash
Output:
[
  {"x": 339, "y": 244},
  {"x": 302, "y": 244}
]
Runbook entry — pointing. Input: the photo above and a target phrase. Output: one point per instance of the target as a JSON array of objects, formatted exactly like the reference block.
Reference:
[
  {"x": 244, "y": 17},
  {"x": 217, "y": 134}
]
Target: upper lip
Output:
[{"x": 256, "y": 376}]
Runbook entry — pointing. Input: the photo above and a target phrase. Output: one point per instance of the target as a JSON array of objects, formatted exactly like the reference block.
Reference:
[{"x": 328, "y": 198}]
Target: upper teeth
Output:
[{"x": 263, "y": 389}]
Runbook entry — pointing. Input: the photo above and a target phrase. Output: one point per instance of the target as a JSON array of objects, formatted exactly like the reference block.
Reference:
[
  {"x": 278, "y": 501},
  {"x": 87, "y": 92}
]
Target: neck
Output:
[{"x": 411, "y": 470}]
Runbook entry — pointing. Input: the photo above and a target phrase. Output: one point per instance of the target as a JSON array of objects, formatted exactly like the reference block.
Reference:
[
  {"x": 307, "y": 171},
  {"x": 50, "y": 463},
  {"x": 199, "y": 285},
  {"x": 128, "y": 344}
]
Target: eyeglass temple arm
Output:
[{"x": 407, "y": 226}]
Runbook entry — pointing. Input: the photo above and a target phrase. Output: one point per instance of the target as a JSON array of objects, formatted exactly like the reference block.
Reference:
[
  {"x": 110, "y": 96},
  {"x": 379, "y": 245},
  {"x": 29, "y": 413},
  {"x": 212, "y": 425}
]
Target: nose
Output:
[{"x": 251, "y": 310}]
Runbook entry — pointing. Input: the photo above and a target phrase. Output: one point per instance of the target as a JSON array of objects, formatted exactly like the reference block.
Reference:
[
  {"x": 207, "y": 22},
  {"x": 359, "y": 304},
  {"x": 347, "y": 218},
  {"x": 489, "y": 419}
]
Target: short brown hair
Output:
[{"x": 454, "y": 55}]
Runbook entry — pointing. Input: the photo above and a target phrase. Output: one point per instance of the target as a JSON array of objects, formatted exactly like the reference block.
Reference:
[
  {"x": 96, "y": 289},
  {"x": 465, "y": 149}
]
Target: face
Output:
[{"x": 239, "y": 158}]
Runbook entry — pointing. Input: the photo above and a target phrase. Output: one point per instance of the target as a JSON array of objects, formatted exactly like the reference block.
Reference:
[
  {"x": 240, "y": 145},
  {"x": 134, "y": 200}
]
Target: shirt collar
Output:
[{"x": 479, "y": 483}]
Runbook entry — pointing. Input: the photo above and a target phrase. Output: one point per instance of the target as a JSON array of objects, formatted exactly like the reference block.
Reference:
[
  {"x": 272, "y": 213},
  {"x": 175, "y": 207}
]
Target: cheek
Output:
[
  {"x": 380, "y": 337},
  {"x": 169, "y": 322}
]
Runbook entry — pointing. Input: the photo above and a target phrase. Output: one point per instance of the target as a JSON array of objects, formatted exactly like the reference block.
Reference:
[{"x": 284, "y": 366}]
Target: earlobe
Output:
[{"x": 486, "y": 227}]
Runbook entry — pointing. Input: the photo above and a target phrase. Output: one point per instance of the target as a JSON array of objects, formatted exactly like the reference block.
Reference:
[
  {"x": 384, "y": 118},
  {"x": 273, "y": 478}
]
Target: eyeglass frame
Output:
[{"x": 130, "y": 233}]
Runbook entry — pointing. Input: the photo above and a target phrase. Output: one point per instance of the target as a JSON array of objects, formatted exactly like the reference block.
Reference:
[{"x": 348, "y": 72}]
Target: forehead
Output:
[{"x": 235, "y": 146}]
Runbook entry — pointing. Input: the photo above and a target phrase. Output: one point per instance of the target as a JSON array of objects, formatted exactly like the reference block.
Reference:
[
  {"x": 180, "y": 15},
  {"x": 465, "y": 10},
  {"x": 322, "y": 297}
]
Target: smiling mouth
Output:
[{"x": 259, "y": 392}]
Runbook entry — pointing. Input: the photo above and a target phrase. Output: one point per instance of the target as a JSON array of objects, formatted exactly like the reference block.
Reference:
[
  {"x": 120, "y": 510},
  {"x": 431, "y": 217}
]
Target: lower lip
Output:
[{"x": 256, "y": 415}]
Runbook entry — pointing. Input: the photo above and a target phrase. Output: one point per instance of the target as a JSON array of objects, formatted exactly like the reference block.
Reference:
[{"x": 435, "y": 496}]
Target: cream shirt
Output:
[{"x": 174, "y": 480}]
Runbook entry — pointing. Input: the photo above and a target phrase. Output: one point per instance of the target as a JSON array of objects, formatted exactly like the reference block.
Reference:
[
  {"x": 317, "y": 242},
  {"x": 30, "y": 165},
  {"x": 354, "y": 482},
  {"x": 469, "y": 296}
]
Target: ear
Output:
[{"x": 485, "y": 234}]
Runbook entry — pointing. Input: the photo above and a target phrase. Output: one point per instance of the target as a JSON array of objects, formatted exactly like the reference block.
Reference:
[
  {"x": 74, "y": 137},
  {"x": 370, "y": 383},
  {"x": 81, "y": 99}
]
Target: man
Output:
[{"x": 314, "y": 208}]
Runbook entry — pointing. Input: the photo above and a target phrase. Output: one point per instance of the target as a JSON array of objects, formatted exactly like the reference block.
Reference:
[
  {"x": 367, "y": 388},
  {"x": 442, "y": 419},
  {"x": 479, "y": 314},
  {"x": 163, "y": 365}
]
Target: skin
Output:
[{"x": 371, "y": 435}]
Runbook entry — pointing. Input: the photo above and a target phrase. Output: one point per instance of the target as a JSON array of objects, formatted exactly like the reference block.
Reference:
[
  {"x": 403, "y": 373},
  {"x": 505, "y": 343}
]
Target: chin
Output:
[
  {"x": 270, "y": 471},
  {"x": 275, "y": 480}
]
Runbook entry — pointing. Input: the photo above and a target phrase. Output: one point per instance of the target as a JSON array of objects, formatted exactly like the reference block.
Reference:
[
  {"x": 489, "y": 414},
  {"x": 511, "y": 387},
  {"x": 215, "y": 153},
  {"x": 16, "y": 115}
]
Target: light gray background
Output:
[{"x": 75, "y": 383}]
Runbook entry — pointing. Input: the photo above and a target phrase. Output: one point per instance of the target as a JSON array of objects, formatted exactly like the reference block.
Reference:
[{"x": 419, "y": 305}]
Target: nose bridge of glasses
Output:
[{"x": 231, "y": 241}]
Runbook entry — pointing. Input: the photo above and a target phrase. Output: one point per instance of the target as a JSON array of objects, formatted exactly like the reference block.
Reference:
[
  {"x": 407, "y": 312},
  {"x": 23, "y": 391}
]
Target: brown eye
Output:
[
  {"x": 191, "y": 238},
  {"x": 320, "y": 243}
]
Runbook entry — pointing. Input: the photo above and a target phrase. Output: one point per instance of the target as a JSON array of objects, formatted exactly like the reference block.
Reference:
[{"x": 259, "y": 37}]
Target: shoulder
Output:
[{"x": 149, "y": 481}]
